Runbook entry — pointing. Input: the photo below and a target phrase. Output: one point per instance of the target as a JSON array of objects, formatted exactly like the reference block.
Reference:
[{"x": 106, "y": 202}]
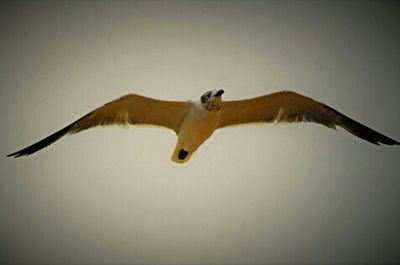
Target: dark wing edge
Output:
[
  {"x": 361, "y": 130},
  {"x": 288, "y": 106},
  {"x": 44, "y": 142},
  {"x": 98, "y": 118}
]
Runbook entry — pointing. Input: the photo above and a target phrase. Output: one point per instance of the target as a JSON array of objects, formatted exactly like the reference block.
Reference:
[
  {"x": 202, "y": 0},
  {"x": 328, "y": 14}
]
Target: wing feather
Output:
[
  {"x": 134, "y": 109},
  {"x": 129, "y": 109},
  {"x": 288, "y": 106}
]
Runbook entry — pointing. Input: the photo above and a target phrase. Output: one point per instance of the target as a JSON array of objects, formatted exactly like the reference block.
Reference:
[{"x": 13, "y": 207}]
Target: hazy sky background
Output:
[{"x": 259, "y": 194}]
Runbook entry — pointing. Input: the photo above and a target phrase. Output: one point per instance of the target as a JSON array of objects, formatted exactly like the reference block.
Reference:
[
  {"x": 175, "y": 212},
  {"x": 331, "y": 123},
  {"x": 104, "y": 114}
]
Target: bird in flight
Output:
[{"x": 194, "y": 121}]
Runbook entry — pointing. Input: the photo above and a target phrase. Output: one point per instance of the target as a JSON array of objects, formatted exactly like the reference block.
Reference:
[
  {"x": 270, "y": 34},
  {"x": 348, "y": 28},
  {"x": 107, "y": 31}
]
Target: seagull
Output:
[{"x": 194, "y": 121}]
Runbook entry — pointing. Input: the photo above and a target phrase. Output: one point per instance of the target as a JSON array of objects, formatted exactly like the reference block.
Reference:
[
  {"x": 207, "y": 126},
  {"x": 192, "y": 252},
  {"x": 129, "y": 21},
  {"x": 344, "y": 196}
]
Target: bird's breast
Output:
[{"x": 198, "y": 126}]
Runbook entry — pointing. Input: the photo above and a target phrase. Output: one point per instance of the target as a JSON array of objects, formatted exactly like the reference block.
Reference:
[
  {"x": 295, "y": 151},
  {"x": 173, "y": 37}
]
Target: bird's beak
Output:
[{"x": 219, "y": 93}]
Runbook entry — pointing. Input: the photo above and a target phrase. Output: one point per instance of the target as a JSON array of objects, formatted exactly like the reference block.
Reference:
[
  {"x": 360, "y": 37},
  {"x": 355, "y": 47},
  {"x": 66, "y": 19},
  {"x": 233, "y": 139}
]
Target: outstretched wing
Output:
[
  {"x": 287, "y": 106},
  {"x": 129, "y": 109}
]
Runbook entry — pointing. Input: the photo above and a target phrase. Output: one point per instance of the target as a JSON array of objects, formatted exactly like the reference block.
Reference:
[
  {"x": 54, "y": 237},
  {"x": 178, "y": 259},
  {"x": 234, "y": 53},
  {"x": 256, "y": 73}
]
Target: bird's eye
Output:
[{"x": 208, "y": 94}]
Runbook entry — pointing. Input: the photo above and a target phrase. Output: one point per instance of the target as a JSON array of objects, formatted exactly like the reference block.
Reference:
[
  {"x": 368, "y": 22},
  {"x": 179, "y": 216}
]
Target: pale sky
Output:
[{"x": 256, "y": 194}]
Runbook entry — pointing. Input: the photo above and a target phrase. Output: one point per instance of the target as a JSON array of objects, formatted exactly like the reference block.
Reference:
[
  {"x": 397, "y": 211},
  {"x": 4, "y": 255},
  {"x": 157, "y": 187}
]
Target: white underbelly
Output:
[{"x": 196, "y": 128}]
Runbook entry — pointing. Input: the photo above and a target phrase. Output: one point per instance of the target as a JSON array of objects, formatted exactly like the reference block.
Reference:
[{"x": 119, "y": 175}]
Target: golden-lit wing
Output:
[
  {"x": 129, "y": 109},
  {"x": 287, "y": 106}
]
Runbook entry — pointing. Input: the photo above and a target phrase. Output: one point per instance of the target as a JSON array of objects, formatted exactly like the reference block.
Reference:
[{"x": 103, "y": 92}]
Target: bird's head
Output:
[{"x": 211, "y": 100}]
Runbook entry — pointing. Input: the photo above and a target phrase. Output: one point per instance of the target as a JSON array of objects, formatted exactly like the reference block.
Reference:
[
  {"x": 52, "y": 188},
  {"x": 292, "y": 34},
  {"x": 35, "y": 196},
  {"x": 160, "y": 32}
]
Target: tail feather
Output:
[{"x": 180, "y": 155}]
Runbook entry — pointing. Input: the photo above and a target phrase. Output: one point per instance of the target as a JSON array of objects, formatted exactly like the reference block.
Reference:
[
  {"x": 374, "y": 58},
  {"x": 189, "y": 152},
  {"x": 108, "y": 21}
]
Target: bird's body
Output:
[
  {"x": 196, "y": 127},
  {"x": 195, "y": 121}
]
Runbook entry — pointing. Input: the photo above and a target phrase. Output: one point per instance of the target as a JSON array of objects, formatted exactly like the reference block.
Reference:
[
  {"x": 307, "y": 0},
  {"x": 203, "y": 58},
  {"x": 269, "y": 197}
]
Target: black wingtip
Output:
[
  {"x": 363, "y": 131},
  {"x": 368, "y": 134},
  {"x": 23, "y": 152},
  {"x": 16, "y": 155},
  {"x": 41, "y": 144}
]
